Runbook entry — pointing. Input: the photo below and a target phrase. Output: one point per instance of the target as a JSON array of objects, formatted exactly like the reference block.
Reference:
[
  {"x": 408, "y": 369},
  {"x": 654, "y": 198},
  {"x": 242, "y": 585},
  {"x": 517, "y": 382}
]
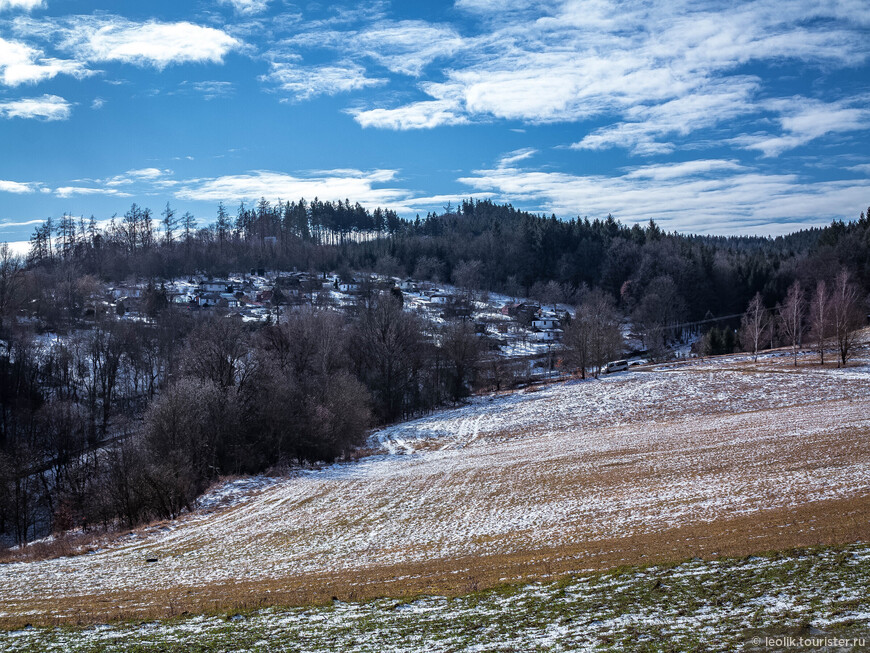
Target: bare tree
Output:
[
  {"x": 845, "y": 311},
  {"x": 790, "y": 315},
  {"x": 462, "y": 349},
  {"x": 10, "y": 282},
  {"x": 594, "y": 336},
  {"x": 468, "y": 275},
  {"x": 755, "y": 325},
  {"x": 387, "y": 348},
  {"x": 170, "y": 223},
  {"x": 658, "y": 313},
  {"x": 548, "y": 293},
  {"x": 819, "y": 318}
]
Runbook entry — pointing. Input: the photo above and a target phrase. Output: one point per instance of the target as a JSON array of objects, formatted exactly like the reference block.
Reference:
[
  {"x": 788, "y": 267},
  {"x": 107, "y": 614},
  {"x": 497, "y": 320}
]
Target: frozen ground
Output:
[
  {"x": 576, "y": 476},
  {"x": 704, "y": 606}
]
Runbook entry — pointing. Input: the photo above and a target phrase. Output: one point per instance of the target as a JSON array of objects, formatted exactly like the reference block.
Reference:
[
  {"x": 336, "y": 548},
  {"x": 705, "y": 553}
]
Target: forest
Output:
[{"x": 106, "y": 423}]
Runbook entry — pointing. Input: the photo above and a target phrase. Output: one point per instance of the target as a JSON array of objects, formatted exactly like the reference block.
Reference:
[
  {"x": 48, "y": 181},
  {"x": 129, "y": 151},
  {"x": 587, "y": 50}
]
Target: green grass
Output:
[{"x": 693, "y": 606}]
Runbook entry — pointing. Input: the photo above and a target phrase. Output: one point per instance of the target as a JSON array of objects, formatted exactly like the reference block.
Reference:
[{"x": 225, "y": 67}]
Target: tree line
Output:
[
  {"x": 828, "y": 316},
  {"x": 658, "y": 278}
]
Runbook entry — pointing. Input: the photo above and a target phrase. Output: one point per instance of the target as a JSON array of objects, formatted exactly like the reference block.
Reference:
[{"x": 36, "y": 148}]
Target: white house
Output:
[
  {"x": 213, "y": 286},
  {"x": 549, "y": 335},
  {"x": 126, "y": 291},
  {"x": 546, "y": 322},
  {"x": 439, "y": 298}
]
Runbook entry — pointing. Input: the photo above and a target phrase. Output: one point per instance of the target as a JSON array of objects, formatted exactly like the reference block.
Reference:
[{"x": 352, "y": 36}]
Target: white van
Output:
[{"x": 616, "y": 366}]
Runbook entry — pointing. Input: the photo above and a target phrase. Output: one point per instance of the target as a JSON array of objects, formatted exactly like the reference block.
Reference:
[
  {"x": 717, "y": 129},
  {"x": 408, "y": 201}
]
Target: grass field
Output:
[
  {"x": 694, "y": 606},
  {"x": 715, "y": 459}
]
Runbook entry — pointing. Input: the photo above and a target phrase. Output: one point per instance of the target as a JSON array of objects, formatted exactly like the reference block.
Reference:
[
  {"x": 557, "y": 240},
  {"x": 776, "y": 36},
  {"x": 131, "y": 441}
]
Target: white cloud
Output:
[
  {"x": 804, "y": 120},
  {"x": 419, "y": 115},
  {"x": 134, "y": 176},
  {"x": 408, "y": 46},
  {"x": 308, "y": 82},
  {"x": 26, "y": 5},
  {"x": 211, "y": 89},
  {"x": 22, "y": 64},
  {"x": 706, "y": 107},
  {"x": 153, "y": 43},
  {"x": 516, "y": 156},
  {"x": 668, "y": 171},
  {"x": 497, "y": 7},
  {"x": 661, "y": 69},
  {"x": 325, "y": 185},
  {"x": 70, "y": 191},
  {"x": 148, "y": 173},
  {"x": 404, "y": 47},
  {"x": 11, "y": 224},
  {"x": 18, "y": 187},
  {"x": 701, "y": 196},
  {"x": 247, "y": 7},
  {"x": 45, "y": 107},
  {"x": 98, "y": 103}
]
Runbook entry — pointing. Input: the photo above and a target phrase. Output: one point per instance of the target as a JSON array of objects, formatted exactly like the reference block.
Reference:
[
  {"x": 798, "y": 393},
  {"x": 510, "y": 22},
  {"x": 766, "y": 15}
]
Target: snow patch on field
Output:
[
  {"x": 631, "y": 454},
  {"x": 712, "y": 606},
  {"x": 233, "y": 492}
]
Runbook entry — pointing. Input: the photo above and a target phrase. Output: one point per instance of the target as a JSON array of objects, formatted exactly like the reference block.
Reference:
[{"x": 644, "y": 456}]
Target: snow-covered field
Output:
[
  {"x": 710, "y": 606},
  {"x": 710, "y": 458}
]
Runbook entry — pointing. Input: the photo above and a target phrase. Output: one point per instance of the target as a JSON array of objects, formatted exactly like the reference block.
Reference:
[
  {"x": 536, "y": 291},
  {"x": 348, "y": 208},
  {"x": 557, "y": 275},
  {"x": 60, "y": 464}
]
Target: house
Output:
[
  {"x": 290, "y": 286},
  {"x": 230, "y": 299},
  {"x": 208, "y": 299},
  {"x": 545, "y": 322},
  {"x": 521, "y": 311},
  {"x": 214, "y": 286},
  {"x": 408, "y": 285},
  {"x": 439, "y": 298},
  {"x": 349, "y": 285},
  {"x": 126, "y": 291},
  {"x": 548, "y": 335},
  {"x": 182, "y": 298}
]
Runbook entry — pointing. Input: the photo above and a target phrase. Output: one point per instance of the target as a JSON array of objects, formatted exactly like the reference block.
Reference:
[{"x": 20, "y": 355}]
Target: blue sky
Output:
[{"x": 713, "y": 117}]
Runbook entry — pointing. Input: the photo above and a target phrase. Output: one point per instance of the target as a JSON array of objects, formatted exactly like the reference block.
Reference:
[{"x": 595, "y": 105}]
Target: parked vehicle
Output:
[{"x": 616, "y": 366}]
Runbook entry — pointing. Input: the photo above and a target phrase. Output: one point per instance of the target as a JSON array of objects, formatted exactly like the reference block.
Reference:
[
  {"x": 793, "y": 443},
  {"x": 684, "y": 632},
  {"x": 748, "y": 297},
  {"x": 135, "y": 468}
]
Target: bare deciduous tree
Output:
[
  {"x": 658, "y": 313},
  {"x": 790, "y": 315},
  {"x": 594, "y": 335},
  {"x": 468, "y": 275},
  {"x": 819, "y": 319},
  {"x": 462, "y": 350},
  {"x": 10, "y": 281},
  {"x": 845, "y": 310},
  {"x": 755, "y": 325}
]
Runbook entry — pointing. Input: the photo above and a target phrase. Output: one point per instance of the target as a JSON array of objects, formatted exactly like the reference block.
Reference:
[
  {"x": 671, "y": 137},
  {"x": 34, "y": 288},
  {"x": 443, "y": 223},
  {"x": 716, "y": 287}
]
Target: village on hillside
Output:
[{"x": 511, "y": 328}]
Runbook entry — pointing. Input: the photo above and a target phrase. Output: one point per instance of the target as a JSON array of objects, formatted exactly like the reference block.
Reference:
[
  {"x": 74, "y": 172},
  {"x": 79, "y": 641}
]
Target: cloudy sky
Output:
[{"x": 708, "y": 116}]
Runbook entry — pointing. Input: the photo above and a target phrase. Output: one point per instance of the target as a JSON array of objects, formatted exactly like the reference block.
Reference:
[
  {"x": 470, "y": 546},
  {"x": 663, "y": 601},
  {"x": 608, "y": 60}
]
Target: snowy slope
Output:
[{"x": 632, "y": 455}]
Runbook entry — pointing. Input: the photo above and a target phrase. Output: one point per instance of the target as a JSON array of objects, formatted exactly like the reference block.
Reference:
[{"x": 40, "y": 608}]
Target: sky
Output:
[{"x": 708, "y": 116}]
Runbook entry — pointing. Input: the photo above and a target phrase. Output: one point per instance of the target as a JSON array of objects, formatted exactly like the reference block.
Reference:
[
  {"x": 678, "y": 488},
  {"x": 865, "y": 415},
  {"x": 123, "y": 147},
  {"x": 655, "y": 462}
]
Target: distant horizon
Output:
[{"x": 750, "y": 120}]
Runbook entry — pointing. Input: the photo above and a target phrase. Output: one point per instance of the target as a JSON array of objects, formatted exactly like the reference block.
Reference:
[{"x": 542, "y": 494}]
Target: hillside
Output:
[{"x": 715, "y": 458}]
